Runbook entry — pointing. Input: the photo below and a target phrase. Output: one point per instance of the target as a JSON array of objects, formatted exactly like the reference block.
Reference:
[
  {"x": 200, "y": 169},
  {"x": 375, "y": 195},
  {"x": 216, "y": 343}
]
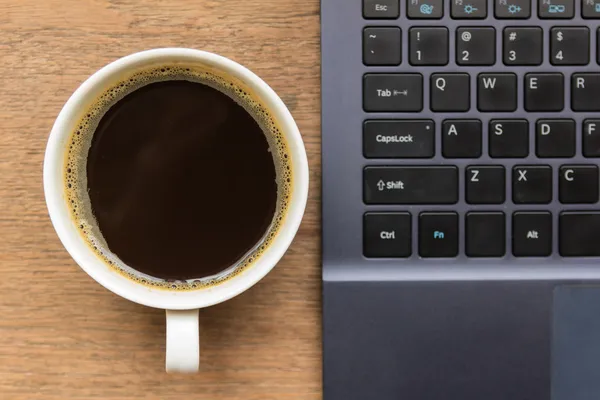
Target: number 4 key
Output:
[{"x": 569, "y": 45}]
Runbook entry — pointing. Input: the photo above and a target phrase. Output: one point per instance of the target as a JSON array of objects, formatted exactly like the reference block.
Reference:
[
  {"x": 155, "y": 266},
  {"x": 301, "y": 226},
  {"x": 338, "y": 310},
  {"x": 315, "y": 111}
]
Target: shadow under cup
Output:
[{"x": 66, "y": 186}]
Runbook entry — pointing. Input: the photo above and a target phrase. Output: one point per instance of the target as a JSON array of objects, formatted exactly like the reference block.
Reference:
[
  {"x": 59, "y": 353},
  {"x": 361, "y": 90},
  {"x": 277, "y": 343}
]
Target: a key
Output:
[
  {"x": 555, "y": 138},
  {"x": 522, "y": 45},
  {"x": 578, "y": 184},
  {"x": 476, "y": 46},
  {"x": 392, "y": 92},
  {"x": 438, "y": 234},
  {"x": 590, "y": 9},
  {"x": 512, "y": 9},
  {"x": 578, "y": 234},
  {"x": 544, "y": 92},
  {"x": 471, "y": 9},
  {"x": 381, "y": 9},
  {"x": 387, "y": 234},
  {"x": 382, "y": 46},
  {"x": 556, "y": 9},
  {"x": 584, "y": 92},
  {"x": 532, "y": 234},
  {"x": 570, "y": 45},
  {"x": 532, "y": 184},
  {"x": 425, "y": 9},
  {"x": 461, "y": 138},
  {"x": 428, "y": 46},
  {"x": 399, "y": 139},
  {"x": 485, "y": 234},
  {"x": 411, "y": 185},
  {"x": 508, "y": 138},
  {"x": 450, "y": 92},
  {"x": 497, "y": 92},
  {"x": 591, "y": 137},
  {"x": 485, "y": 184}
]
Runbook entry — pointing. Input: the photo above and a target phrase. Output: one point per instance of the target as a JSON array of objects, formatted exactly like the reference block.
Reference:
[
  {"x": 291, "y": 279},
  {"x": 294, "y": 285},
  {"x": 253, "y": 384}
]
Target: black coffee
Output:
[{"x": 182, "y": 181}]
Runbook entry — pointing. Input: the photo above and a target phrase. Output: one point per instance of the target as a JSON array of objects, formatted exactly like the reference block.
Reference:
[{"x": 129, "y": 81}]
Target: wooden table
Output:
[{"x": 62, "y": 336}]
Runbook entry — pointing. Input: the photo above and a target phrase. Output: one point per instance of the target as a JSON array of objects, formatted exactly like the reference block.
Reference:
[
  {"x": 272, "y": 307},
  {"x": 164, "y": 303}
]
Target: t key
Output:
[
  {"x": 570, "y": 45},
  {"x": 428, "y": 46}
]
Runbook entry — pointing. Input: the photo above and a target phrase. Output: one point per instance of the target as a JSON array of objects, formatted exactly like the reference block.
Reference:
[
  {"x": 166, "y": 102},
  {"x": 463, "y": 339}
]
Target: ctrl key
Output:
[{"x": 387, "y": 235}]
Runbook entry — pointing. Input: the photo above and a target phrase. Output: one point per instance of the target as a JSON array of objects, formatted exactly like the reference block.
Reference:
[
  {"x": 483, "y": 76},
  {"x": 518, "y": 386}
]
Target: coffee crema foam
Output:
[{"x": 79, "y": 142}]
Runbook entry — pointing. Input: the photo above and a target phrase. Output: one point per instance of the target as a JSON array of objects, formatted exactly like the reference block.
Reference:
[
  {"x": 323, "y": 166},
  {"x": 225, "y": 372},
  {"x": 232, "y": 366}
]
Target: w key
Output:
[{"x": 497, "y": 92}]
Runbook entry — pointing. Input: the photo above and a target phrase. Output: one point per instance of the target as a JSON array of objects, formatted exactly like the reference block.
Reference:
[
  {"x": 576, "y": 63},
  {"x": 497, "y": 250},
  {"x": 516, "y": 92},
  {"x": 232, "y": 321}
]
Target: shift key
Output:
[
  {"x": 410, "y": 185},
  {"x": 393, "y": 92}
]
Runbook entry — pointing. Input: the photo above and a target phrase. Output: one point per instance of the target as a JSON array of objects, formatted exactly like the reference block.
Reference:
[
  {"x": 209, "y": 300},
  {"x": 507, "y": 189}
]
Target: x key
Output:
[{"x": 532, "y": 184}]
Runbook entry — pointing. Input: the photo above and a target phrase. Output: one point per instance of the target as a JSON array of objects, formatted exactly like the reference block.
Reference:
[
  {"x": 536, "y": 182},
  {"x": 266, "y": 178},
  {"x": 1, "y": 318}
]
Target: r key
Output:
[{"x": 584, "y": 92}]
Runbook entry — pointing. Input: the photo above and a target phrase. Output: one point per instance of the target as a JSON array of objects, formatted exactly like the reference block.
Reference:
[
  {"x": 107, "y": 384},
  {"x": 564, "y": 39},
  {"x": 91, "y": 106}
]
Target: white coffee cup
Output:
[{"x": 183, "y": 348}]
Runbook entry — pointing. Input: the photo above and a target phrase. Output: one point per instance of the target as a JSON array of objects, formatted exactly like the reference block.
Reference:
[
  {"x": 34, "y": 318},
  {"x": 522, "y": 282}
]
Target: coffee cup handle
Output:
[{"x": 183, "y": 341}]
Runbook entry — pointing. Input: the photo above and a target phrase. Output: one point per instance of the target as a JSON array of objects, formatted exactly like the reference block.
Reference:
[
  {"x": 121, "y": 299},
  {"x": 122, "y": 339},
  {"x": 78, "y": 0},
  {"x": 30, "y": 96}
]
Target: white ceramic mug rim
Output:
[{"x": 87, "y": 259}]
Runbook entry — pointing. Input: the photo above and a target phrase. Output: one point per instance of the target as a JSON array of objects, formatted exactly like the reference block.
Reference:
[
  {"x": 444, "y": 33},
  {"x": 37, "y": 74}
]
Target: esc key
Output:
[{"x": 381, "y": 9}]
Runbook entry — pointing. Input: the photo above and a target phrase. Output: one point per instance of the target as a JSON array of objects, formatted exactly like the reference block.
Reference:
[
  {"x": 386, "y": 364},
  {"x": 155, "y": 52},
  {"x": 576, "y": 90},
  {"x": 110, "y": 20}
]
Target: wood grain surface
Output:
[{"x": 62, "y": 336}]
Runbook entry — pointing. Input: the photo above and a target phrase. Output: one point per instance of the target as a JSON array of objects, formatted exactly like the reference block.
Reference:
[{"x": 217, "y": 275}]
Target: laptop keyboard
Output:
[{"x": 489, "y": 107}]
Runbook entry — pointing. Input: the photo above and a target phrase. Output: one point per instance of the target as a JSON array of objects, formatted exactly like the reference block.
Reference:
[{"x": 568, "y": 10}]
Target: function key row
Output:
[
  {"x": 496, "y": 92},
  {"x": 389, "y": 234},
  {"x": 477, "y": 9},
  {"x": 463, "y": 138},
  {"x": 476, "y": 45},
  {"x": 484, "y": 184}
]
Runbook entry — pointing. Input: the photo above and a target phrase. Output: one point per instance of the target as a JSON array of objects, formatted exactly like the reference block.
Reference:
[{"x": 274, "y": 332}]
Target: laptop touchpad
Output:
[{"x": 576, "y": 343}]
